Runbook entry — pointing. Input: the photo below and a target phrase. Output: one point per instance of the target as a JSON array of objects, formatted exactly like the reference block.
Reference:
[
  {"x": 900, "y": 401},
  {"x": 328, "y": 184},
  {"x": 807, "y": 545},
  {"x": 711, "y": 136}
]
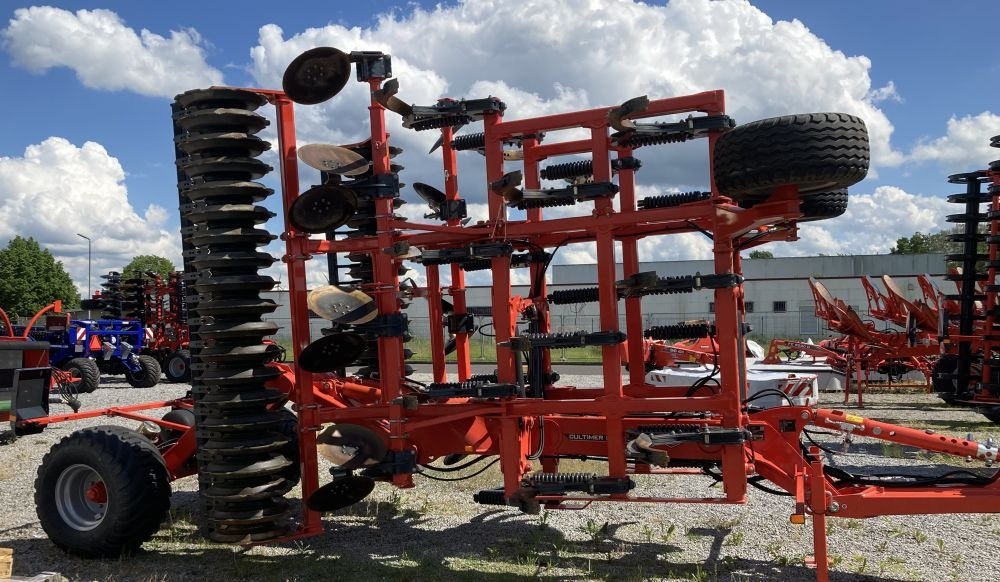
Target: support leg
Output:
[{"x": 820, "y": 559}]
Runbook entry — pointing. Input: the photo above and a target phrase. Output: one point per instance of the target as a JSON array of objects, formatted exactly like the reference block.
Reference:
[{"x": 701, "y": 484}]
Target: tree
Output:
[
  {"x": 31, "y": 278},
  {"x": 139, "y": 265},
  {"x": 761, "y": 255},
  {"x": 921, "y": 243}
]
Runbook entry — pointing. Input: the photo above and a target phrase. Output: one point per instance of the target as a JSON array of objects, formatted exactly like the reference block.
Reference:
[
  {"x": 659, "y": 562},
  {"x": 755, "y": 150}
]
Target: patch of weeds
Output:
[
  {"x": 396, "y": 500},
  {"x": 836, "y": 560},
  {"x": 853, "y": 523},
  {"x": 892, "y": 563},
  {"x": 647, "y": 533},
  {"x": 668, "y": 532},
  {"x": 595, "y": 531},
  {"x": 859, "y": 564},
  {"x": 881, "y": 546},
  {"x": 779, "y": 557},
  {"x": 734, "y": 539},
  {"x": 919, "y": 536},
  {"x": 699, "y": 575},
  {"x": 892, "y": 450},
  {"x": 543, "y": 520}
]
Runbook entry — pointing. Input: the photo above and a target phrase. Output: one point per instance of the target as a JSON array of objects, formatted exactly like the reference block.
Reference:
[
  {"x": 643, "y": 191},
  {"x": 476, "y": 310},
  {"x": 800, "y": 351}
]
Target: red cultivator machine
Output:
[
  {"x": 165, "y": 318},
  {"x": 378, "y": 425},
  {"x": 863, "y": 348}
]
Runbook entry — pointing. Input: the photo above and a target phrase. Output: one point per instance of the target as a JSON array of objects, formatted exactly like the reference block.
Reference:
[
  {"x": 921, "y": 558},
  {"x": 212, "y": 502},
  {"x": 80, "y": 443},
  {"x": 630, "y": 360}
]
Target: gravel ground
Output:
[{"x": 435, "y": 531}]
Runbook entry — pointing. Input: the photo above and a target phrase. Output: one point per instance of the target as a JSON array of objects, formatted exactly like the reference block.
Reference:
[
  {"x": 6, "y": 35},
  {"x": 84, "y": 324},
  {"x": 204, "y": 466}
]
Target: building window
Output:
[
  {"x": 711, "y": 307},
  {"x": 780, "y": 307},
  {"x": 749, "y": 306}
]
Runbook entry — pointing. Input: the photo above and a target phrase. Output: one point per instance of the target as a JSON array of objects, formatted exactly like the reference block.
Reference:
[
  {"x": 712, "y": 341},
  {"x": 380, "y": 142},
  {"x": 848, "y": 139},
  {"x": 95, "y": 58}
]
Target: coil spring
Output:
[
  {"x": 469, "y": 141},
  {"x": 678, "y": 331},
  {"x": 439, "y": 122},
  {"x": 565, "y": 296},
  {"x": 559, "y": 335},
  {"x": 469, "y": 384},
  {"x": 567, "y": 170},
  {"x": 489, "y": 497},
  {"x": 477, "y": 265},
  {"x": 550, "y": 203},
  {"x": 671, "y": 200},
  {"x": 560, "y": 478},
  {"x": 483, "y": 378},
  {"x": 638, "y": 141}
]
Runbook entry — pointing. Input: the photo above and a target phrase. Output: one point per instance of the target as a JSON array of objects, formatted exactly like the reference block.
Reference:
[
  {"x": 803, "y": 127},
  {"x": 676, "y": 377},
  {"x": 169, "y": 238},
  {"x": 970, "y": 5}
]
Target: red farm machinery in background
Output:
[
  {"x": 159, "y": 303},
  {"x": 373, "y": 422},
  {"x": 863, "y": 348}
]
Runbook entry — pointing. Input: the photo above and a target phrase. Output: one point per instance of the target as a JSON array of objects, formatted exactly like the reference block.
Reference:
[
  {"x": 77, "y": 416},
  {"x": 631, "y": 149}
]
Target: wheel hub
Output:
[{"x": 81, "y": 497}]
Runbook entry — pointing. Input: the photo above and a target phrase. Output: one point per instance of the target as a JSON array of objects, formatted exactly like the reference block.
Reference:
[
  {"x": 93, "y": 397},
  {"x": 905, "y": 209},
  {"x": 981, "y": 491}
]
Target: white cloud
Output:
[
  {"x": 106, "y": 54},
  {"x": 57, "y": 189},
  {"x": 598, "y": 53},
  {"x": 872, "y": 224},
  {"x": 886, "y": 93},
  {"x": 966, "y": 144}
]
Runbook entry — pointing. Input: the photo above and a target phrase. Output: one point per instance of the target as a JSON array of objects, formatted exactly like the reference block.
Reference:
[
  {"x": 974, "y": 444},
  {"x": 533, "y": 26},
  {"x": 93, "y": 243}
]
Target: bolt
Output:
[
  {"x": 834, "y": 507},
  {"x": 876, "y": 430},
  {"x": 805, "y": 415}
]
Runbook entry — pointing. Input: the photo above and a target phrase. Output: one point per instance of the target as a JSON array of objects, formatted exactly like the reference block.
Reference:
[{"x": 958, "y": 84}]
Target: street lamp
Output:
[{"x": 89, "y": 295}]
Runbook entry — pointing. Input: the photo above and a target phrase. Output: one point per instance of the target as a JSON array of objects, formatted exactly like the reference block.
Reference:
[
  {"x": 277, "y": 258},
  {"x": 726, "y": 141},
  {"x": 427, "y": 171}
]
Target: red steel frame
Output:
[{"x": 511, "y": 428}]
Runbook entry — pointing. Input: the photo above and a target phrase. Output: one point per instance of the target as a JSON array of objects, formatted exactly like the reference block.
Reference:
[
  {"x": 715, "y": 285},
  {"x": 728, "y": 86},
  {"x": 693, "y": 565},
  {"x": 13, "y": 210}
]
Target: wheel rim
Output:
[
  {"x": 177, "y": 367},
  {"x": 81, "y": 497}
]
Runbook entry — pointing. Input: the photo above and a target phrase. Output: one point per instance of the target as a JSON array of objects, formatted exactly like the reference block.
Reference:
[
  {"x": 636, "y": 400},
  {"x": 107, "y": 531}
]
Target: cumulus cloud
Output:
[
  {"x": 554, "y": 56},
  {"x": 966, "y": 144},
  {"x": 106, "y": 54},
  {"x": 57, "y": 189},
  {"x": 883, "y": 216}
]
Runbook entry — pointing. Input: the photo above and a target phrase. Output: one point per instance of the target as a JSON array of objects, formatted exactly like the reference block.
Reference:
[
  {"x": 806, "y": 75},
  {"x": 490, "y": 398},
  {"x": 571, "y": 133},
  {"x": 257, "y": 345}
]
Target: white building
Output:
[{"x": 778, "y": 299}]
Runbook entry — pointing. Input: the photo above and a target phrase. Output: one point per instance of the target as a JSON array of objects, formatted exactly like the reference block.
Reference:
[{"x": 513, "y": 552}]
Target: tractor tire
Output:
[
  {"x": 815, "y": 207},
  {"x": 818, "y": 152},
  {"x": 88, "y": 372},
  {"x": 177, "y": 366},
  {"x": 823, "y": 206},
  {"x": 992, "y": 413},
  {"x": 102, "y": 492},
  {"x": 148, "y": 376}
]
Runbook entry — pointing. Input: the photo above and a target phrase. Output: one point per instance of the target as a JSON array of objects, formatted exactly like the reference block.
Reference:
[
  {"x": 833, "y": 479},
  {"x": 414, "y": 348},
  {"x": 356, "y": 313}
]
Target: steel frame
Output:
[{"x": 512, "y": 428}]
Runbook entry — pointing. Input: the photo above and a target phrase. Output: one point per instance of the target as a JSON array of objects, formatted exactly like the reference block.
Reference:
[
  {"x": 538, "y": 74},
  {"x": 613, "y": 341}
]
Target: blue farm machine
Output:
[
  {"x": 157, "y": 303},
  {"x": 89, "y": 347}
]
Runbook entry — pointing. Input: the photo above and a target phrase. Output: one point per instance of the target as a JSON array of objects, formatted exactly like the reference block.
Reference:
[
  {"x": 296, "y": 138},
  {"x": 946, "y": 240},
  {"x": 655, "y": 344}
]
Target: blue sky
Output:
[{"x": 908, "y": 69}]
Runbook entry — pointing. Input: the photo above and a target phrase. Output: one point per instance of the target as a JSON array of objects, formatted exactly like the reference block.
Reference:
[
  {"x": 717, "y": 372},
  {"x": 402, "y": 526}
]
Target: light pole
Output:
[{"x": 89, "y": 295}]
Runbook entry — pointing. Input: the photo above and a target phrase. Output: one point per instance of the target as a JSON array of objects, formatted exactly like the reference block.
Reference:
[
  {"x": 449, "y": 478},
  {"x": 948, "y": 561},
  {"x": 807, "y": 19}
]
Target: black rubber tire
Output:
[
  {"x": 814, "y": 207},
  {"x": 134, "y": 476},
  {"x": 87, "y": 370},
  {"x": 992, "y": 414},
  {"x": 818, "y": 152},
  {"x": 945, "y": 388},
  {"x": 148, "y": 376},
  {"x": 823, "y": 206},
  {"x": 177, "y": 366}
]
